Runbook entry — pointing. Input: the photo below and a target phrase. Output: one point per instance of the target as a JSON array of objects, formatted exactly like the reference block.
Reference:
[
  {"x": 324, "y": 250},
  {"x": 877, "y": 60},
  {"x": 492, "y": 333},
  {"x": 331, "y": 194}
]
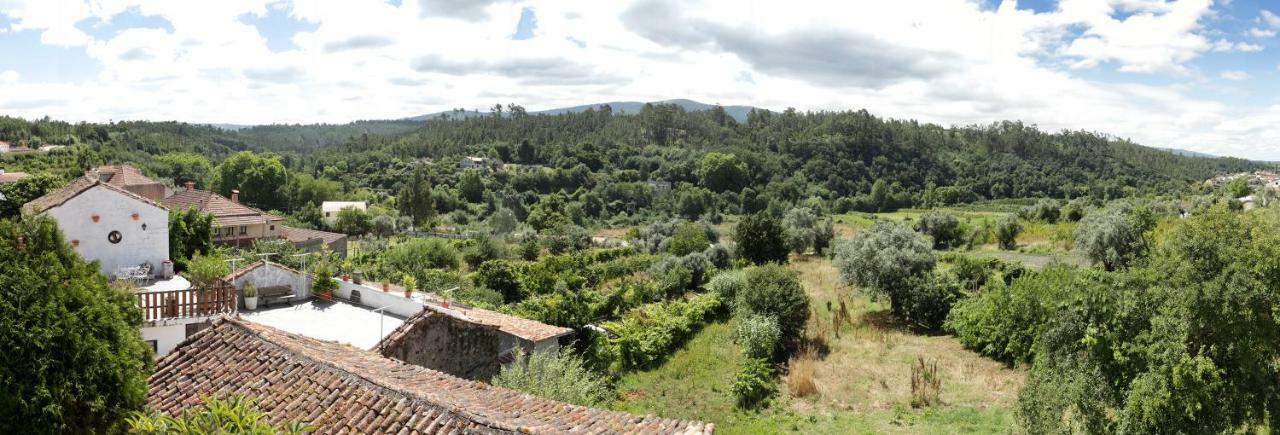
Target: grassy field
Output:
[{"x": 862, "y": 377}]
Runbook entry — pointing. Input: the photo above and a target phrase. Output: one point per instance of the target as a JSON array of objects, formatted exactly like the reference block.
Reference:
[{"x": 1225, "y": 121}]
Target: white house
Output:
[
  {"x": 330, "y": 209},
  {"x": 473, "y": 163},
  {"x": 105, "y": 223}
]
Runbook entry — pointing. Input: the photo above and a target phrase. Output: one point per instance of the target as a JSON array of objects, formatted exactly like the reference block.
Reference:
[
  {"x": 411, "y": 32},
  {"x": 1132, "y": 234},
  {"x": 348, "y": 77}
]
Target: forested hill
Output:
[{"x": 863, "y": 160}]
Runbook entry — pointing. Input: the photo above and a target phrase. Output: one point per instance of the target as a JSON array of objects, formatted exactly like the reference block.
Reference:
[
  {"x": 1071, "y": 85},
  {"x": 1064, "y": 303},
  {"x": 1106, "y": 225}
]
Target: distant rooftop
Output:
[{"x": 328, "y": 320}]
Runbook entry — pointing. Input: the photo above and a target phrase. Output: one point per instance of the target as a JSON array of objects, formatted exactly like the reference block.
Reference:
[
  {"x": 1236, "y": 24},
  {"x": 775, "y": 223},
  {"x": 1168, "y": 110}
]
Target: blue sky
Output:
[{"x": 1202, "y": 75}]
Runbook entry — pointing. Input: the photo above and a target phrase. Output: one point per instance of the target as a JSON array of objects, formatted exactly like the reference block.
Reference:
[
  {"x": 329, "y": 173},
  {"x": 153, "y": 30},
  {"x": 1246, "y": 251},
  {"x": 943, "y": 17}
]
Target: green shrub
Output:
[
  {"x": 646, "y": 335},
  {"x": 886, "y": 260},
  {"x": 927, "y": 301},
  {"x": 480, "y": 297},
  {"x": 1045, "y": 210},
  {"x": 760, "y": 239},
  {"x": 773, "y": 290},
  {"x": 561, "y": 307},
  {"x": 232, "y": 414},
  {"x": 759, "y": 336},
  {"x": 1117, "y": 236},
  {"x": 483, "y": 249},
  {"x": 1004, "y": 321},
  {"x": 754, "y": 383},
  {"x": 565, "y": 238},
  {"x": 560, "y": 376},
  {"x": 501, "y": 276},
  {"x": 530, "y": 249},
  {"x": 1007, "y": 231},
  {"x": 688, "y": 238},
  {"x": 203, "y": 270},
  {"x": 418, "y": 255},
  {"x": 942, "y": 227},
  {"x": 727, "y": 284}
]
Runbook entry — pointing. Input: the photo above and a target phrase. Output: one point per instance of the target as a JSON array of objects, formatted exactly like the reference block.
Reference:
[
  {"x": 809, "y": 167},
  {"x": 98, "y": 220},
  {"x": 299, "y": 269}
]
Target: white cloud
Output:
[
  {"x": 945, "y": 61},
  {"x": 1271, "y": 19},
  {"x": 8, "y": 77},
  {"x": 1261, "y": 33},
  {"x": 1235, "y": 75}
]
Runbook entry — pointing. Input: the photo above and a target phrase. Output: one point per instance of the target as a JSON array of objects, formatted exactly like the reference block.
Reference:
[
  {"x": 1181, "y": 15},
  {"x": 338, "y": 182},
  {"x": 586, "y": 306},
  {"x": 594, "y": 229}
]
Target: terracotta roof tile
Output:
[
  {"x": 75, "y": 188},
  {"x": 123, "y": 175},
  {"x": 225, "y": 212},
  {"x": 340, "y": 389},
  {"x": 9, "y": 177},
  {"x": 303, "y": 234}
]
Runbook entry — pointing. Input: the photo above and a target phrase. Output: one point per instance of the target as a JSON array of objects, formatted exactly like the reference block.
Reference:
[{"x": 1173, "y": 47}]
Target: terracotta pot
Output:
[
  {"x": 346, "y": 278},
  {"x": 386, "y": 287},
  {"x": 95, "y": 218},
  {"x": 326, "y": 295},
  {"x": 75, "y": 243},
  {"x": 408, "y": 294},
  {"x": 135, "y": 216}
]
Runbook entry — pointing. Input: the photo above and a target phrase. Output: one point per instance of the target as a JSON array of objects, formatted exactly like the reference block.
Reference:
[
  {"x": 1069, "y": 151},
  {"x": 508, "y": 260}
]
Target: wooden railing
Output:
[{"x": 213, "y": 299}]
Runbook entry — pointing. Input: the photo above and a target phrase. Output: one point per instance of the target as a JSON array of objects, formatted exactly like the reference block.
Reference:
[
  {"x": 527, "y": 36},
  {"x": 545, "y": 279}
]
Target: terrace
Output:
[
  {"x": 175, "y": 299},
  {"x": 331, "y": 320}
]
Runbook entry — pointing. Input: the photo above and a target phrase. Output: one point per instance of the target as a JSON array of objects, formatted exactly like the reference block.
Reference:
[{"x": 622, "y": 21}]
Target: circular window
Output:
[{"x": 114, "y": 237}]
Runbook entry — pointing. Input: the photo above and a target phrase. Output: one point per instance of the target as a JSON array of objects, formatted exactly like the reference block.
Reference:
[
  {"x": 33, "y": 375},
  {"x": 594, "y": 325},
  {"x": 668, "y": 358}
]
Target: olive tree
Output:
[
  {"x": 888, "y": 260},
  {"x": 1116, "y": 236},
  {"x": 943, "y": 227}
]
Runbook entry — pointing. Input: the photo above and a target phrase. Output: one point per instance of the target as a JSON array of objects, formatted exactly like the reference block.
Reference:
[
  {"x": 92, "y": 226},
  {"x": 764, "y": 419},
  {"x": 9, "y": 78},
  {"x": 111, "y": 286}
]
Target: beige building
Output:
[{"x": 234, "y": 223}]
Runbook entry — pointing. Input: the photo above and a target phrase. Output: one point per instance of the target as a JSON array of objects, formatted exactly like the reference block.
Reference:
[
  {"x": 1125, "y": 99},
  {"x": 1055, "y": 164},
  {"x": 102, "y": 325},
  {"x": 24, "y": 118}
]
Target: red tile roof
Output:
[
  {"x": 9, "y": 177},
  {"x": 75, "y": 188},
  {"x": 123, "y": 175},
  {"x": 341, "y": 389},
  {"x": 225, "y": 212},
  {"x": 302, "y": 234}
]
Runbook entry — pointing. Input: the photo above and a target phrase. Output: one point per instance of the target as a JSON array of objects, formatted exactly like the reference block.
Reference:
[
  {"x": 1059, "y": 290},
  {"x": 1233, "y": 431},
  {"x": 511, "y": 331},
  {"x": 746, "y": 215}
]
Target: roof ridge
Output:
[{"x": 342, "y": 371}]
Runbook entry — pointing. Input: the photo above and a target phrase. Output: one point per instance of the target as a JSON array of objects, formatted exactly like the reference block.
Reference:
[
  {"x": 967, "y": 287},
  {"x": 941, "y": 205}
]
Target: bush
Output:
[
  {"x": 645, "y": 335},
  {"x": 565, "y": 238},
  {"x": 1117, "y": 236},
  {"x": 759, "y": 336},
  {"x": 688, "y": 238},
  {"x": 1007, "y": 231},
  {"x": 727, "y": 284},
  {"x": 801, "y": 225},
  {"x": 483, "y": 249},
  {"x": 718, "y": 255},
  {"x": 1004, "y": 320},
  {"x": 73, "y": 361},
  {"x": 754, "y": 383},
  {"x": 942, "y": 227},
  {"x": 671, "y": 277},
  {"x": 417, "y": 255},
  {"x": 927, "y": 300},
  {"x": 760, "y": 239},
  {"x": 203, "y": 270},
  {"x": 886, "y": 260},
  {"x": 1045, "y": 210},
  {"x": 529, "y": 249},
  {"x": 480, "y": 297},
  {"x": 774, "y": 291},
  {"x": 232, "y": 414},
  {"x": 560, "y": 376},
  {"x": 501, "y": 276}
]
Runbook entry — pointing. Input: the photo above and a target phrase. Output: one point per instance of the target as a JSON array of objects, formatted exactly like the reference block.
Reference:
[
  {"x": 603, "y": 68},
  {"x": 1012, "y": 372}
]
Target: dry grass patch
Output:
[
  {"x": 800, "y": 373},
  {"x": 870, "y": 357}
]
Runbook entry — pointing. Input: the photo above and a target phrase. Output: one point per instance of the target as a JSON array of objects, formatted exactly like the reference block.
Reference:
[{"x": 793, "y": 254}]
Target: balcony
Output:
[{"x": 196, "y": 302}]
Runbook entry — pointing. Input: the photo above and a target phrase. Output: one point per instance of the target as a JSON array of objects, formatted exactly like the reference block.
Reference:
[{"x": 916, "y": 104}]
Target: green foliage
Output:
[
  {"x": 415, "y": 198},
  {"x": 190, "y": 233},
  {"x": 759, "y": 336},
  {"x": 417, "y": 256},
  {"x": 471, "y": 186},
  {"x": 229, "y": 415},
  {"x": 73, "y": 361},
  {"x": 530, "y": 249},
  {"x": 503, "y": 222},
  {"x": 563, "y": 306},
  {"x": 802, "y": 228},
  {"x": 722, "y": 172},
  {"x": 353, "y": 221},
  {"x": 483, "y": 249},
  {"x": 927, "y": 300},
  {"x": 728, "y": 284},
  {"x": 775, "y": 291},
  {"x": 260, "y": 178},
  {"x": 1007, "y": 231},
  {"x": 205, "y": 269},
  {"x": 184, "y": 167},
  {"x": 886, "y": 260},
  {"x": 1116, "y": 236},
  {"x": 754, "y": 383},
  {"x": 322, "y": 278},
  {"x": 1238, "y": 187},
  {"x": 942, "y": 227},
  {"x": 20, "y": 192},
  {"x": 645, "y": 335},
  {"x": 689, "y": 237},
  {"x": 671, "y": 277},
  {"x": 560, "y": 376},
  {"x": 565, "y": 238},
  {"x": 760, "y": 239},
  {"x": 1004, "y": 321},
  {"x": 1045, "y": 210}
]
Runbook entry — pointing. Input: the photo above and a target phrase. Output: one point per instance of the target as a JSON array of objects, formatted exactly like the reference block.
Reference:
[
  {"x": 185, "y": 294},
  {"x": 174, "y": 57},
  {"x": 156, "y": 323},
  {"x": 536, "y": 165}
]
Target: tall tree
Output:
[
  {"x": 259, "y": 178},
  {"x": 73, "y": 361},
  {"x": 760, "y": 239},
  {"x": 415, "y": 200}
]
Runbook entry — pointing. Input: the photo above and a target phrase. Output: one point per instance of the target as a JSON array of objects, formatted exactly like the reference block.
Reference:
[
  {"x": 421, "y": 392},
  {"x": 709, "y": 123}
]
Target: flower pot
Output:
[
  {"x": 346, "y": 277},
  {"x": 326, "y": 295},
  {"x": 408, "y": 294},
  {"x": 95, "y": 218},
  {"x": 135, "y": 216},
  {"x": 386, "y": 287},
  {"x": 251, "y": 303}
]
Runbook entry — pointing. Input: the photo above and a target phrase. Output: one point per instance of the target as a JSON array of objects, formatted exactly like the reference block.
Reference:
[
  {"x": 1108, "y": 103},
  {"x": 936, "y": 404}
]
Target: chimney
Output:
[
  {"x": 190, "y": 185},
  {"x": 235, "y": 196}
]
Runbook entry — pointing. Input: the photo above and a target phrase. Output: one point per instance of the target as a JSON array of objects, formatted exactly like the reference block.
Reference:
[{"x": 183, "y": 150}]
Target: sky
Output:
[{"x": 1199, "y": 75}]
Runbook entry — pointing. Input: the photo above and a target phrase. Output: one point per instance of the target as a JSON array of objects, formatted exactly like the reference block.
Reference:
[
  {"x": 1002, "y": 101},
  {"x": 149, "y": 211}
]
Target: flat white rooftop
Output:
[{"x": 328, "y": 320}]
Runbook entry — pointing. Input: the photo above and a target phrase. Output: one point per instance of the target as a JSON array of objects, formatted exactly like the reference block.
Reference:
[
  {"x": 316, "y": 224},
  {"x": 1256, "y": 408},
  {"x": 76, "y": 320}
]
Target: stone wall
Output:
[{"x": 441, "y": 342}]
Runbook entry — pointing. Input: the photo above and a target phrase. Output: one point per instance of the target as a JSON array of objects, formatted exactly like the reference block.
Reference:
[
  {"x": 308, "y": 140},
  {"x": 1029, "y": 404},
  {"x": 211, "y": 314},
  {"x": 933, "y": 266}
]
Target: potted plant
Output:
[
  {"x": 346, "y": 271},
  {"x": 409, "y": 283},
  {"x": 250, "y": 296},
  {"x": 386, "y": 286},
  {"x": 322, "y": 283}
]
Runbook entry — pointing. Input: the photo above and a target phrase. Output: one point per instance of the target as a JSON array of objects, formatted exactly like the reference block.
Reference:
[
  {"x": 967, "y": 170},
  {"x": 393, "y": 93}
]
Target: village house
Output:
[
  {"x": 308, "y": 240},
  {"x": 131, "y": 179},
  {"x": 334, "y": 388},
  {"x": 330, "y": 209},
  {"x": 103, "y": 222},
  {"x": 471, "y": 162},
  {"x": 234, "y": 223}
]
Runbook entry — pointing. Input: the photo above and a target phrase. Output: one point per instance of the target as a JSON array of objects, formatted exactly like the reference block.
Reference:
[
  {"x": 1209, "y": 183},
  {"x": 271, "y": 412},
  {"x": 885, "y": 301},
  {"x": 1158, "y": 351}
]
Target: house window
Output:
[
  {"x": 114, "y": 237},
  {"x": 243, "y": 229},
  {"x": 273, "y": 228},
  {"x": 326, "y": 214}
]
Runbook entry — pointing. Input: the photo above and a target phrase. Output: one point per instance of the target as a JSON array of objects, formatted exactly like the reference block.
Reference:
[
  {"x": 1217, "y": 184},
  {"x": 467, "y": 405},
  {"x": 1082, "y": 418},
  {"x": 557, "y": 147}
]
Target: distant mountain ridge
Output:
[
  {"x": 738, "y": 113},
  {"x": 1186, "y": 153}
]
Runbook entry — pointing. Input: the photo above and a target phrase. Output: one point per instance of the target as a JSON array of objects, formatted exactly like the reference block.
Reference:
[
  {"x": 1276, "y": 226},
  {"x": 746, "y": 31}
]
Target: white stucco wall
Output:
[
  {"x": 270, "y": 275},
  {"x": 167, "y": 337},
  {"x": 376, "y": 298},
  {"x": 115, "y": 211}
]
